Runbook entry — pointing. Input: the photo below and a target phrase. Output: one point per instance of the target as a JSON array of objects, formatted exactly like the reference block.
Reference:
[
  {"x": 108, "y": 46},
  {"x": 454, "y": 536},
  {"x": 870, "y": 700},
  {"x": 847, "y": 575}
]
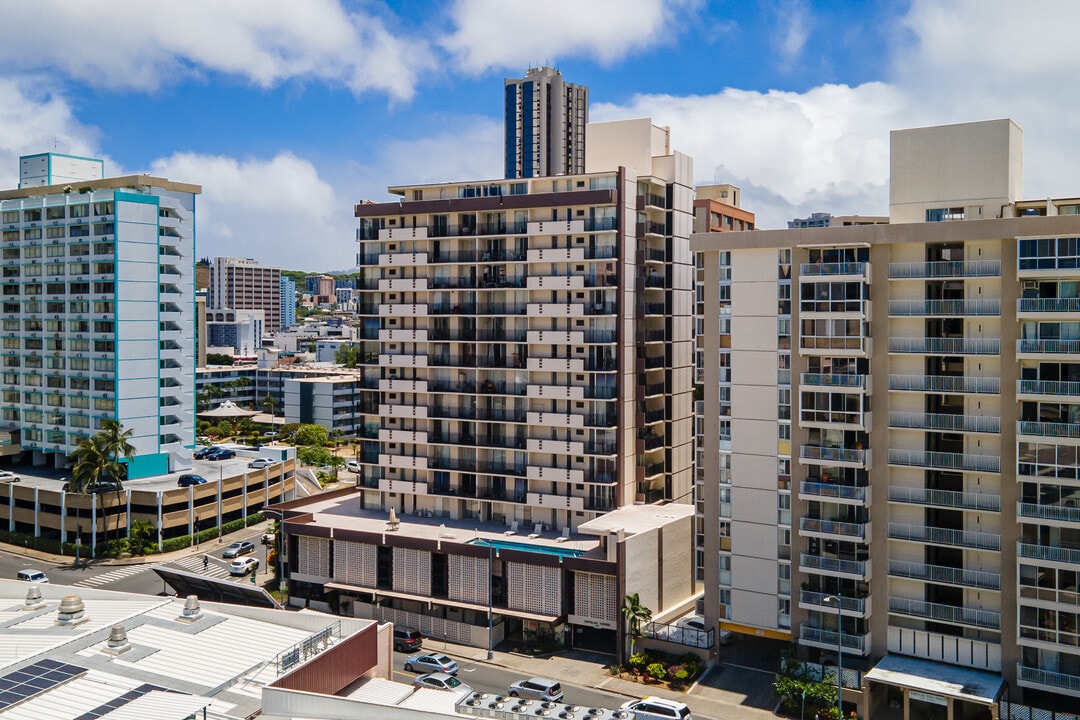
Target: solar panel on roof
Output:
[
  {"x": 118, "y": 702},
  {"x": 32, "y": 680}
]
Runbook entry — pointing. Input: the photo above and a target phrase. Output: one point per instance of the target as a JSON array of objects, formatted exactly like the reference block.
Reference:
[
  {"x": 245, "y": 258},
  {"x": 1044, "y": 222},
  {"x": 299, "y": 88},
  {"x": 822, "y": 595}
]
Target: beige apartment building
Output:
[
  {"x": 903, "y": 446},
  {"x": 527, "y": 368},
  {"x": 244, "y": 284}
]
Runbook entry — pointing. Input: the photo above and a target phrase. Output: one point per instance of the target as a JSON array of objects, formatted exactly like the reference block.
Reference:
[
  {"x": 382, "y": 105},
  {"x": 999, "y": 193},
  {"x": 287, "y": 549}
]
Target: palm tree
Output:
[
  {"x": 636, "y": 614},
  {"x": 268, "y": 403},
  {"x": 97, "y": 458}
]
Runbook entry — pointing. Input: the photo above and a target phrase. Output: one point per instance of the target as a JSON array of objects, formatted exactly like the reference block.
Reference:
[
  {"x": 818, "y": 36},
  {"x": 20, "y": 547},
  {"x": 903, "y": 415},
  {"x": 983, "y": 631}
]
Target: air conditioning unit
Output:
[{"x": 1031, "y": 285}]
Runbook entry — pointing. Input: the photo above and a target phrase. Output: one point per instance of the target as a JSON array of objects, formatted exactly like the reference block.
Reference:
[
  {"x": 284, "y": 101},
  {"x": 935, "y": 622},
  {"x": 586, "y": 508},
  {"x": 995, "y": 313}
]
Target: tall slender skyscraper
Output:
[{"x": 545, "y": 125}]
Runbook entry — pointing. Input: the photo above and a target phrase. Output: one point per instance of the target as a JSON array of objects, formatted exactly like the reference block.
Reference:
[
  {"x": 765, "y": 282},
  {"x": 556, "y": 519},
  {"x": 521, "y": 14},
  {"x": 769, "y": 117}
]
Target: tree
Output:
[
  {"x": 97, "y": 458},
  {"x": 268, "y": 403},
  {"x": 140, "y": 535},
  {"x": 635, "y": 614},
  {"x": 117, "y": 444},
  {"x": 311, "y": 435},
  {"x": 315, "y": 455},
  {"x": 218, "y": 359},
  {"x": 348, "y": 355}
]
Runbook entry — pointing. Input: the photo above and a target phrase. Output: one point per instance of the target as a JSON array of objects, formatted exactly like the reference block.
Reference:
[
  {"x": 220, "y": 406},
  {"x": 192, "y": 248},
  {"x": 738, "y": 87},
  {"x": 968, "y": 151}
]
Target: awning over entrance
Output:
[{"x": 937, "y": 679}]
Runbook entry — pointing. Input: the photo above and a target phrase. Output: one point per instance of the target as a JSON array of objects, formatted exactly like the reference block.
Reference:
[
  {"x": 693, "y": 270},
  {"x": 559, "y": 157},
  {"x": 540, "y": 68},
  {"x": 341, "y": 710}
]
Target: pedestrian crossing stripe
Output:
[
  {"x": 195, "y": 564},
  {"x": 112, "y": 576}
]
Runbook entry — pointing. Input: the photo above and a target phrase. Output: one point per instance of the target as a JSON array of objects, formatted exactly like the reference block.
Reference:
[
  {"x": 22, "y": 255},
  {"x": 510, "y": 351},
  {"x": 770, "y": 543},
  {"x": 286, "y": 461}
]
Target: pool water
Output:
[{"x": 527, "y": 547}]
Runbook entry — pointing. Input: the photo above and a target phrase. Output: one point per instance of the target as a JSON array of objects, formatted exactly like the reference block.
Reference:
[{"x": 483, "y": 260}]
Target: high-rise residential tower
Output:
[
  {"x": 97, "y": 313},
  {"x": 545, "y": 120},
  {"x": 244, "y": 284},
  {"x": 904, "y": 429},
  {"x": 288, "y": 302}
]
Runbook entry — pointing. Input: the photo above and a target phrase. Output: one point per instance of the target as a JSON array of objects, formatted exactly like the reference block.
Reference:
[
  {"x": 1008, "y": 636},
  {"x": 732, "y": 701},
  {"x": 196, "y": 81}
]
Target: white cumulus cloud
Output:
[
  {"x": 277, "y": 210},
  {"x": 129, "y": 44},
  {"x": 496, "y": 34}
]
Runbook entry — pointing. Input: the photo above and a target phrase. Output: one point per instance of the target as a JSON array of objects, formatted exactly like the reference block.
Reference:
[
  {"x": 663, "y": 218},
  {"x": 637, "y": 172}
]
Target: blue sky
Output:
[{"x": 288, "y": 113}]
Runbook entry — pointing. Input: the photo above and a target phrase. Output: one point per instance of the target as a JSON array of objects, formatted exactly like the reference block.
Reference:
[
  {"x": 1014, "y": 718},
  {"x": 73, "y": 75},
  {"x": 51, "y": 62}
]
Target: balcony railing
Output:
[
  {"x": 1052, "y": 347},
  {"x": 946, "y": 384},
  {"x": 833, "y": 380},
  {"x": 832, "y": 490},
  {"x": 850, "y": 604},
  {"x": 1047, "y": 387},
  {"x": 945, "y": 613},
  {"x": 945, "y": 498},
  {"x": 834, "y": 527},
  {"x": 854, "y": 643},
  {"x": 832, "y": 269},
  {"x": 1048, "y": 512},
  {"x": 946, "y": 422},
  {"x": 1048, "y": 429},
  {"x": 944, "y": 269},
  {"x": 943, "y": 574},
  {"x": 944, "y": 308},
  {"x": 945, "y": 346},
  {"x": 1048, "y": 305},
  {"x": 945, "y": 536},
  {"x": 945, "y": 460},
  {"x": 828, "y": 564},
  {"x": 830, "y": 454},
  {"x": 1046, "y": 678}
]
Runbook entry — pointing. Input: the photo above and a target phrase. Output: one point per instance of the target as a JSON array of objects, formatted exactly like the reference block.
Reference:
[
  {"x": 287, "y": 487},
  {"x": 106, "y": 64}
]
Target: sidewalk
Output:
[{"x": 725, "y": 693}]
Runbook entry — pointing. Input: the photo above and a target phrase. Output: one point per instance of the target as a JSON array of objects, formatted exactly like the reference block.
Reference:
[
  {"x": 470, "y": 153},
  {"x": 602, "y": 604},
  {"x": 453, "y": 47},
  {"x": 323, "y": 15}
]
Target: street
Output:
[
  {"x": 496, "y": 680},
  {"x": 140, "y": 578}
]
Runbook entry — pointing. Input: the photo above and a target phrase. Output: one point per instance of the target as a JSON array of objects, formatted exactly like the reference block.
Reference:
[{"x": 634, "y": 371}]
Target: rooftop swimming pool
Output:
[{"x": 527, "y": 547}]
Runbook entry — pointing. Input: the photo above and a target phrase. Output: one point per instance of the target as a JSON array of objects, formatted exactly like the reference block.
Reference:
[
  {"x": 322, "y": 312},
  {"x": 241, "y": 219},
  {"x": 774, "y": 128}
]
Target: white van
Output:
[{"x": 31, "y": 575}]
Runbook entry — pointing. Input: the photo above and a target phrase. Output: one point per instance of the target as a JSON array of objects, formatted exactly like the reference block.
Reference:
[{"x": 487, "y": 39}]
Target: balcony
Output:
[
  {"x": 558, "y": 502},
  {"x": 1048, "y": 429},
  {"x": 834, "y": 344},
  {"x": 964, "y": 462},
  {"x": 809, "y": 600},
  {"x": 945, "y": 575},
  {"x": 1047, "y": 680},
  {"x": 839, "y": 382},
  {"x": 958, "y": 615},
  {"x": 945, "y": 498},
  {"x": 1047, "y": 347},
  {"x": 834, "y": 528},
  {"x": 946, "y": 384},
  {"x": 828, "y": 639},
  {"x": 944, "y": 269},
  {"x": 945, "y": 422},
  {"x": 1047, "y": 387},
  {"x": 945, "y": 536},
  {"x": 846, "y": 457},
  {"x": 835, "y": 270},
  {"x": 944, "y": 308},
  {"x": 945, "y": 346},
  {"x": 1057, "y": 513},
  {"x": 811, "y": 490},
  {"x": 1047, "y": 305},
  {"x": 1045, "y": 552}
]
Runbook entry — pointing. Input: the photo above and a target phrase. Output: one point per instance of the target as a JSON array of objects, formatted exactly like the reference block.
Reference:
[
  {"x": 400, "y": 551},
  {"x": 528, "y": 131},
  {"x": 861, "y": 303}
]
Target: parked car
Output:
[
  {"x": 407, "y": 639},
  {"x": 263, "y": 462},
  {"x": 6, "y": 476},
  {"x": 654, "y": 708},
  {"x": 353, "y": 466},
  {"x": 189, "y": 479},
  {"x": 30, "y": 575},
  {"x": 432, "y": 662},
  {"x": 243, "y": 565},
  {"x": 221, "y": 454},
  {"x": 239, "y": 548},
  {"x": 270, "y": 433},
  {"x": 443, "y": 681},
  {"x": 537, "y": 689},
  {"x": 103, "y": 486},
  {"x": 202, "y": 452}
]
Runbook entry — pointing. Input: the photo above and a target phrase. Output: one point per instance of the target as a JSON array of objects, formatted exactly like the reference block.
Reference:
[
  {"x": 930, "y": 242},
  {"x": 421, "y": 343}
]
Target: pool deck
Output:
[{"x": 343, "y": 511}]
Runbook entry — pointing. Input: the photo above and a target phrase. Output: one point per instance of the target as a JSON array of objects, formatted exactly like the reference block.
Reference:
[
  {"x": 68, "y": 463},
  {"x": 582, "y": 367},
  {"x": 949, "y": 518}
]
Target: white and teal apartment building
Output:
[{"x": 97, "y": 308}]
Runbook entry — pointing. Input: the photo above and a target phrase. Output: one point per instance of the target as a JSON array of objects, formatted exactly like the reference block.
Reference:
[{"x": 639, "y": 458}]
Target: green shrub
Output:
[
  {"x": 656, "y": 671},
  {"x": 639, "y": 660}
]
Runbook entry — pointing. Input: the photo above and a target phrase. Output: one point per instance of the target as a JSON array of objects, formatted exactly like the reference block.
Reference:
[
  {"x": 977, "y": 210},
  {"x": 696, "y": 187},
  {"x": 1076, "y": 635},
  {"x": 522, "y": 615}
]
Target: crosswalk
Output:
[
  {"x": 112, "y": 576},
  {"x": 194, "y": 564}
]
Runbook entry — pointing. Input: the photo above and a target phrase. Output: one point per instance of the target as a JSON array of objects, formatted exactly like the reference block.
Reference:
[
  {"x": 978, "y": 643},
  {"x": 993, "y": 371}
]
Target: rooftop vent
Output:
[
  {"x": 33, "y": 599},
  {"x": 192, "y": 611},
  {"x": 118, "y": 641},
  {"x": 72, "y": 612}
]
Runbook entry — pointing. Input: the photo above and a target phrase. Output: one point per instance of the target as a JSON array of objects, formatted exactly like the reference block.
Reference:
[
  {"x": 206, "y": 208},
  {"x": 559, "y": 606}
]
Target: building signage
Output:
[{"x": 926, "y": 697}]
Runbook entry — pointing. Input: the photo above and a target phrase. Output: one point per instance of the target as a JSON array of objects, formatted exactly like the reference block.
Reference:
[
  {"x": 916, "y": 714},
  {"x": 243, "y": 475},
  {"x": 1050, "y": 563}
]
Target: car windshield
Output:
[{"x": 452, "y": 682}]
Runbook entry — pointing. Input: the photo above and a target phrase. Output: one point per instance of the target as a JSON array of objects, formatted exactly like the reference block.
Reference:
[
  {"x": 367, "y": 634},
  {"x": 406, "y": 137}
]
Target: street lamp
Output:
[
  {"x": 839, "y": 655},
  {"x": 196, "y": 532}
]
